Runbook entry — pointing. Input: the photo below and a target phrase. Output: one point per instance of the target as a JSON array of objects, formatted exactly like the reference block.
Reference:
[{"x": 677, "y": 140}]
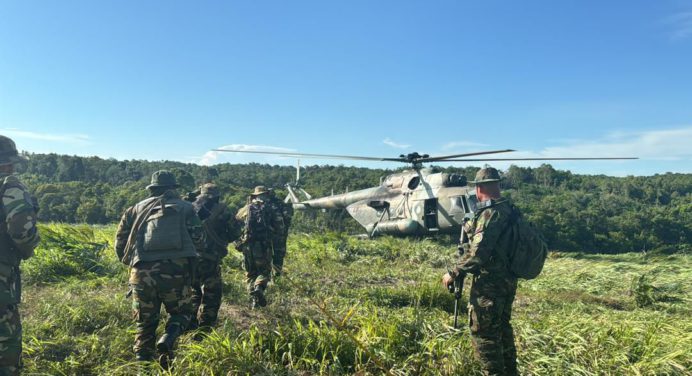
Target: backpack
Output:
[
  {"x": 256, "y": 226},
  {"x": 163, "y": 228},
  {"x": 528, "y": 256}
]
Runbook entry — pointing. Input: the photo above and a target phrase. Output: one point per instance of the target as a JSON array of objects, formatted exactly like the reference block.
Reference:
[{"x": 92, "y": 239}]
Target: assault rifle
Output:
[{"x": 456, "y": 288}]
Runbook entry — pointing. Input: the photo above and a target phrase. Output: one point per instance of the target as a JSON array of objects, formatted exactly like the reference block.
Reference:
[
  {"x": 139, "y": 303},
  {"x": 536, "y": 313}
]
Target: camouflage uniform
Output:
[
  {"x": 18, "y": 238},
  {"x": 493, "y": 287},
  {"x": 280, "y": 237},
  {"x": 220, "y": 228},
  {"x": 257, "y": 252},
  {"x": 162, "y": 260}
]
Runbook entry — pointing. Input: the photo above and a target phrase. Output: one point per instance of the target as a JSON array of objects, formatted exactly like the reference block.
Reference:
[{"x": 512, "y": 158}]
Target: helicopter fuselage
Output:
[{"x": 413, "y": 202}]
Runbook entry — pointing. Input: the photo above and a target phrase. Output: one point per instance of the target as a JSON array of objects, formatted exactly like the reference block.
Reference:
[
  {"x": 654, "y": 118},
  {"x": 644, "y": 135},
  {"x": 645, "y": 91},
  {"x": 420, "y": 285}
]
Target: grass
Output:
[{"x": 585, "y": 315}]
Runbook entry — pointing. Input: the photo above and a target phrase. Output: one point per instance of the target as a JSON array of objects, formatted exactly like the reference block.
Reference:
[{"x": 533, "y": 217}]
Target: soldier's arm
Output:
[
  {"x": 20, "y": 215},
  {"x": 123, "y": 232},
  {"x": 195, "y": 229},
  {"x": 233, "y": 228},
  {"x": 486, "y": 234}
]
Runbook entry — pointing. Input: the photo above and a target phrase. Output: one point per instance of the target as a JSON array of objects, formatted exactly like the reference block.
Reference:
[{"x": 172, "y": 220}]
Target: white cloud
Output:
[
  {"x": 388, "y": 141},
  {"x": 681, "y": 24},
  {"x": 63, "y": 138},
  {"x": 659, "y": 151},
  {"x": 462, "y": 144},
  {"x": 213, "y": 156},
  {"x": 665, "y": 144}
]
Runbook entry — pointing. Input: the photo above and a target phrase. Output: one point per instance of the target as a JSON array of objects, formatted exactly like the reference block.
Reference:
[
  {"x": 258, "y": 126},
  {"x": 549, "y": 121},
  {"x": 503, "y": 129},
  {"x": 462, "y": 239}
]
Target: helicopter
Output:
[{"x": 418, "y": 201}]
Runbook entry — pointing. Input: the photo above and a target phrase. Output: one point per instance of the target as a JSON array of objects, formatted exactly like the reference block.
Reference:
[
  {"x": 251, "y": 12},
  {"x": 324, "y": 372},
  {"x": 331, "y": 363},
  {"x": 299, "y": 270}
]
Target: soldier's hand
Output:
[{"x": 447, "y": 280}]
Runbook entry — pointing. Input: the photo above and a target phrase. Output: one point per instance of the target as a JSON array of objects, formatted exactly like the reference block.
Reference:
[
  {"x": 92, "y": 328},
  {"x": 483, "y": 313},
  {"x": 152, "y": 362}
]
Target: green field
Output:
[{"x": 585, "y": 315}]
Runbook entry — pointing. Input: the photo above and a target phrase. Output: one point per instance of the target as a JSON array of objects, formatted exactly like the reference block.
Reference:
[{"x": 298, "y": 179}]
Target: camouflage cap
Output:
[
  {"x": 8, "y": 152},
  {"x": 260, "y": 189},
  {"x": 210, "y": 189},
  {"x": 163, "y": 178},
  {"x": 486, "y": 175}
]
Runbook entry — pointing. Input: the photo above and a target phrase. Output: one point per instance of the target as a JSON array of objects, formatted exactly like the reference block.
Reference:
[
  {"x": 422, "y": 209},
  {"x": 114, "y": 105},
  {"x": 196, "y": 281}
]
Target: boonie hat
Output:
[
  {"x": 163, "y": 178},
  {"x": 486, "y": 175},
  {"x": 210, "y": 189},
  {"x": 8, "y": 152},
  {"x": 260, "y": 189}
]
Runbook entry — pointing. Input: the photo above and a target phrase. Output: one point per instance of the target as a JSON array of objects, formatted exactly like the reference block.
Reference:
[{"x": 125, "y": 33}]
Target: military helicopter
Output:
[{"x": 415, "y": 202}]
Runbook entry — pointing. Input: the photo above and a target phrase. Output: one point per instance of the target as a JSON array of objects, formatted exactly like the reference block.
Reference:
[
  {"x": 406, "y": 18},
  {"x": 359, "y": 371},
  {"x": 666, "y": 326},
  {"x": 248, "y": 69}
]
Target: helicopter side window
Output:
[{"x": 413, "y": 183}]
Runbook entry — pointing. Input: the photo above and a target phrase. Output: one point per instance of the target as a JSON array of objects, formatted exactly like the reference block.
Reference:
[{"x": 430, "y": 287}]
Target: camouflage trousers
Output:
[
  {"x": 279, "y": 245},
  {"x": 490, "y": 312},
  {"x": 206, "y": 292},
  {"x": 257, "y": 262},
  {"x": 156, "y": 283},
  {"x": 10, "y": 340}
]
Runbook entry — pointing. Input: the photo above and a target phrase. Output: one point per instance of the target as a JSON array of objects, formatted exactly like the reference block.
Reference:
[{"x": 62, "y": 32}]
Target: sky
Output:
[{"x": 172, "y": 80}]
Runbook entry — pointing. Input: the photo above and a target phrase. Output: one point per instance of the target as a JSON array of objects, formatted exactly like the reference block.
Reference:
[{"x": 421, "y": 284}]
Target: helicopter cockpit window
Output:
[
  {"x": 394, "y": 182},
  {"x": 456, "y": 180},
  {"x": 413, "y": 183}
]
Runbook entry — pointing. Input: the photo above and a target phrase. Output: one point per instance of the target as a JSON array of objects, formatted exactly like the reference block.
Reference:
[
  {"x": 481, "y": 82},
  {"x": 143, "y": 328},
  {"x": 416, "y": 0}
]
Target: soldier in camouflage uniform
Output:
[
  {"x": 18, "y": 238},
  {"x": 281, "y": 233},
  {"x": 259, "y": 226},
  {"x": 220, "y": 228},
  {"x": 158, "y": 238},
  {"x": 487, "y": 245}
]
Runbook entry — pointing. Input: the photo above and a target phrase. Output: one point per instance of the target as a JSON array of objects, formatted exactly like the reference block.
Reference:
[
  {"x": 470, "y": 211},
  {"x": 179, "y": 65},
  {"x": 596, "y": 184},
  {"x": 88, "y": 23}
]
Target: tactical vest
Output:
[{"x": 163, "y": 233}]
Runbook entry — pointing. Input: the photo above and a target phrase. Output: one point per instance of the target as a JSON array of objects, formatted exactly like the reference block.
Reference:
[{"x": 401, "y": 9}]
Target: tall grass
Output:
[{"x": 585, "y": 315}]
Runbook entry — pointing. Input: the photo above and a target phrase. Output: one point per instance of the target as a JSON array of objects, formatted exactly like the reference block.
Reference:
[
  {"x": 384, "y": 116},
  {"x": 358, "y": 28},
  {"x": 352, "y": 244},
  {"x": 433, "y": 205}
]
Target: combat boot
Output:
[
  {"x": 164, "y": 347},
  {"x": 144, "y": 357},
  {"x": 194, "y": 324},
  {"x": 258, "y": 299}
]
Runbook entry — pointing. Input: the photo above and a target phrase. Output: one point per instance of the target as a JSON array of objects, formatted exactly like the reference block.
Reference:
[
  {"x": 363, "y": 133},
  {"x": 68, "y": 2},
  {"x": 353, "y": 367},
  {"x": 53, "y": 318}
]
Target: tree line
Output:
[{"x": 588, "y": 213}]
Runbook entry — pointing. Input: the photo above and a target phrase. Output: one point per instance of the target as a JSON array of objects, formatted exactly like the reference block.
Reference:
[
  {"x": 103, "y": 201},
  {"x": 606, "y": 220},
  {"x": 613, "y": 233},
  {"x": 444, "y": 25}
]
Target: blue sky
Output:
[{"x": 174, "y": 79}]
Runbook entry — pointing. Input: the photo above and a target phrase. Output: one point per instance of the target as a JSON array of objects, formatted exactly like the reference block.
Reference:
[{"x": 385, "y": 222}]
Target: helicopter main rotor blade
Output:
[
  {"x": 538, "y": 159},
  {"x": 307, "y": 155},
  {"x": 446, "y": 157}
]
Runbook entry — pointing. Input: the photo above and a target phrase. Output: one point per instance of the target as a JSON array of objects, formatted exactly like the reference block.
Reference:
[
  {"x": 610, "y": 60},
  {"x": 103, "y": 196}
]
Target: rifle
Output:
[{"x": 458, "y": 286}]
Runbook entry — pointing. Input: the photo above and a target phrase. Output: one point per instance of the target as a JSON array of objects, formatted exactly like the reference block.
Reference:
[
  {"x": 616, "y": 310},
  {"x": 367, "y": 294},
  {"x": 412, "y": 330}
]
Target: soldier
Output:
[
  {"x": 220, "y": 228},
  {"x": 259, "y": 224},
  {"x": 157, "y": 238},
  {"x": 281, "y": 235},
  {"x": 486, "y": 248},
  {"x": 18, "y": 238}
]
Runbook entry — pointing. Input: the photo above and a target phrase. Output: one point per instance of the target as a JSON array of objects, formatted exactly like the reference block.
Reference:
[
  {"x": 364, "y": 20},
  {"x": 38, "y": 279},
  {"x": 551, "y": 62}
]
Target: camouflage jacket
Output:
[
  {"x": 18, "y": 213},
  {"x": 18, "y": 235},
  {"x": 220, "y": 227},
  {"x": 130, "y": 247},
  {"x": 488, "y": 241}
]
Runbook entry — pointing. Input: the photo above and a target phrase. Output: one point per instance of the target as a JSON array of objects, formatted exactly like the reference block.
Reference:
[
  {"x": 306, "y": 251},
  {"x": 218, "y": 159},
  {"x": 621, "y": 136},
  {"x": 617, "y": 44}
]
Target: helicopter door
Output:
[{"x": 430, "y": 216}]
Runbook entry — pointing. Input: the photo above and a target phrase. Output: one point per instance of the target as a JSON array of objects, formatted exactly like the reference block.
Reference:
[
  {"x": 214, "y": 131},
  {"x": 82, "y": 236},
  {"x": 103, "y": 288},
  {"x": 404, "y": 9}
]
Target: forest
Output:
[{"x": 584, "y": 213}]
